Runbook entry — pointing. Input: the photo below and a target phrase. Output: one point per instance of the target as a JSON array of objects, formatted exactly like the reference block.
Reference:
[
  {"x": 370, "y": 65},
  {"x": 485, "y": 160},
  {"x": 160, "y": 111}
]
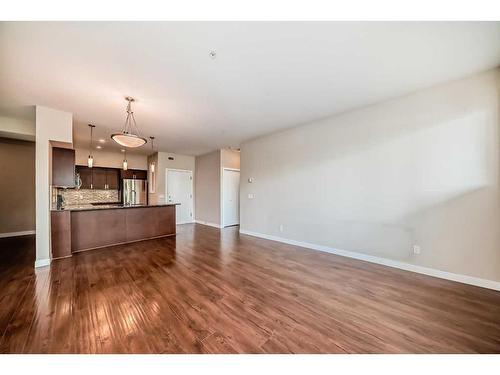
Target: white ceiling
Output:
[{"x": 266, "y": 76}]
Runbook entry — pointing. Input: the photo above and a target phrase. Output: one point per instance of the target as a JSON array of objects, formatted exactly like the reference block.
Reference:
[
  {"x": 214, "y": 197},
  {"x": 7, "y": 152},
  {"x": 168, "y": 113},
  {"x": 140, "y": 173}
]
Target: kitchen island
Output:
[{"x": 83, "y": 228}]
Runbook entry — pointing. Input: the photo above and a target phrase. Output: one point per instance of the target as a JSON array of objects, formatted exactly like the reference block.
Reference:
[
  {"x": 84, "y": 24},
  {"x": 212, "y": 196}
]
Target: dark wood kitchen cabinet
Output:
[
  {"x": 113, "y": 178},
  {"x": 85, "y": 175},
  {"x": 137, "y": 174},
  {"x": 63, "y": 167},
  {"x": 140, "y": 174},
  {"x": 126, "y": 174},
  {"x": 99, "y": 178},
  {"x": 60, "y": 229}
]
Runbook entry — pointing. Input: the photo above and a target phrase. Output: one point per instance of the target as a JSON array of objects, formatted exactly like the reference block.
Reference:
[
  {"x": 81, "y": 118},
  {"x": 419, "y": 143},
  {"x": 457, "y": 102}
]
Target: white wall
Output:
[
  {"x": 17, "y": 128},
  {"x": 111, "y": 159},
  {"x": 51, "y": 125},
  {"x": 421, "y": 169},
  {"x": 162, "y": 163}
]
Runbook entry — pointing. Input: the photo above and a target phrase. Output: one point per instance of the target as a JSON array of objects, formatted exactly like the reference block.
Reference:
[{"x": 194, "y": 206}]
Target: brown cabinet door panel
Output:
[
  {"x": 113, "y": 178},
  {"x": 126, "y": 174},
  {"x": 85, "y": 175},
  {"x": 63, "y": 167},
  {"x": 139, "y": 174},
  {"x": 60, "y": 230},
  {"x": 99, "y": 178}
]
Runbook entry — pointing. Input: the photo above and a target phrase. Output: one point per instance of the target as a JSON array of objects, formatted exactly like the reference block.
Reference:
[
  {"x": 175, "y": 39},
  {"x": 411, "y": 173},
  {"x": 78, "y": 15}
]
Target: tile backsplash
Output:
[{"x": 79, "y": 197}]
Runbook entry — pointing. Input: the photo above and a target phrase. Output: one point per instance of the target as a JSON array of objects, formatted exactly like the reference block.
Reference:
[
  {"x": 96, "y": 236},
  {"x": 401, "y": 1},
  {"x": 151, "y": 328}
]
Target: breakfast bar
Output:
[{"x": 86, "y": 228}]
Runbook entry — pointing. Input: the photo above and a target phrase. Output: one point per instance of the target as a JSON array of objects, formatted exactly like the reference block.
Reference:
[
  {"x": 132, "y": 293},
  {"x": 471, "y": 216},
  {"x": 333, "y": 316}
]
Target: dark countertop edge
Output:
[{"x": 99, "y": 208}]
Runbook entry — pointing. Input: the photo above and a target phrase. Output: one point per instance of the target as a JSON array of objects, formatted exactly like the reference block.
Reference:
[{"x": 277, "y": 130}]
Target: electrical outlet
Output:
[
  {"x": 281, "y": 227},
  {"x": 416, "y": 249}
]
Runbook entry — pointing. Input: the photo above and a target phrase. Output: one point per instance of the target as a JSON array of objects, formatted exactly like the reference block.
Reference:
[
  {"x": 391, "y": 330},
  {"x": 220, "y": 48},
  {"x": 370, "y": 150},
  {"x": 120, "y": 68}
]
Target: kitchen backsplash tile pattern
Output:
[{"x": 75, "y": 197}]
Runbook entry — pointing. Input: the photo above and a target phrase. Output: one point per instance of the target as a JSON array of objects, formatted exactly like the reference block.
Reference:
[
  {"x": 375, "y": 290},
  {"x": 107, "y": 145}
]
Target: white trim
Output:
[
  {"x": 476, "y": 281},
  {"x": 207, "y": 223},
  {"x": 190, "y": 171},
  {"x": 17, "y": 234},
  {"x": 42, "y": 263}
]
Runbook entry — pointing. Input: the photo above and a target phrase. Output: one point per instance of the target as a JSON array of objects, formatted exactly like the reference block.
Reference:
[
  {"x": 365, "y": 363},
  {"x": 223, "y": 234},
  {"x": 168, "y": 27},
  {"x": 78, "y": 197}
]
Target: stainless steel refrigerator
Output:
[{"x": 134, "y": 192}]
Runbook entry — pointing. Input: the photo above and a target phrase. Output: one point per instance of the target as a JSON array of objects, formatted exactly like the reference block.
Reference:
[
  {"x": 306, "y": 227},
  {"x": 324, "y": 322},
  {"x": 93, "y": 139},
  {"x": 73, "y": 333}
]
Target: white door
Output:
[
  {"x": 231, "y": 197},
  {"x": 180, "y": 190}
]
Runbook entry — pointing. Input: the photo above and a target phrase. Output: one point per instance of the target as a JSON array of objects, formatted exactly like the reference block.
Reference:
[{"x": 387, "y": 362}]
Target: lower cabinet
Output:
[{"x": 60, "y": 230}]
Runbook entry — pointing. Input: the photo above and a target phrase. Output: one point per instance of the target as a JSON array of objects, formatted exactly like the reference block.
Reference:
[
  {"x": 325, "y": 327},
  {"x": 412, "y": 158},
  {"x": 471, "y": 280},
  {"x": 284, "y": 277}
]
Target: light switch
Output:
[{"x": 251, "y": 196}]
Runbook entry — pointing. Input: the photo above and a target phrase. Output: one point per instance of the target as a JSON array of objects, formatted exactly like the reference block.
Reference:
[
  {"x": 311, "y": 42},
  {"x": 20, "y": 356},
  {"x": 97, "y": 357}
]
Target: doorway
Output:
[
  {"x": 179, "y": 186},
  {"x": 230, "y": 197}
]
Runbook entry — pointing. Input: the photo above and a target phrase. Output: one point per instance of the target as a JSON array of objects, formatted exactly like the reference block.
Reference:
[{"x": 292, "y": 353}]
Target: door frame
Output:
[
  {"x": 222, "y": 224},
  {"x": 192, "y": 189}
]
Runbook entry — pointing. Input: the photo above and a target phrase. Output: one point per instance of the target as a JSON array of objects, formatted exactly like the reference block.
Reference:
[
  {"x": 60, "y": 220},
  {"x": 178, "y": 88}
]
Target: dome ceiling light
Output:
[{"x": 127, "y": 138}]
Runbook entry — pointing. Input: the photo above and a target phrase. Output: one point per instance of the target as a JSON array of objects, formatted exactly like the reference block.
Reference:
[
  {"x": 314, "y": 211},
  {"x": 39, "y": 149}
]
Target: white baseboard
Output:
[
  {"x": 17, "y": 234},
  {"x": 484, "y": 283},
  {"x": 186, "y": 222},
  {"x": 42, "y": 263},
  {"x": 207, "y": 223}
]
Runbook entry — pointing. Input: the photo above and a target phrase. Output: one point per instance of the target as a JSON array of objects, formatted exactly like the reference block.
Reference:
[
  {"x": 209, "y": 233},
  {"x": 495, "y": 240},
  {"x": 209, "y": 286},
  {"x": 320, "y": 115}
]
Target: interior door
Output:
[
  {"x": 231, "y": 197},
  {"x": 180, "y": 190}
]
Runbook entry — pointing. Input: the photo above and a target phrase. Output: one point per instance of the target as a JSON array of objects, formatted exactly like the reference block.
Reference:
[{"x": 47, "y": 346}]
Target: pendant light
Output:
[
  {"x": 125, "y": 163},
  {"x": 127, "y": 138},
  {"x": 152, "y": 165},
  {"x": 90, "y": 160}
]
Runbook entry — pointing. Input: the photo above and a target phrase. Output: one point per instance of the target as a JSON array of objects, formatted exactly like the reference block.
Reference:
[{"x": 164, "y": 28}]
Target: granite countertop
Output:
[{"x": 89, "y": 207}]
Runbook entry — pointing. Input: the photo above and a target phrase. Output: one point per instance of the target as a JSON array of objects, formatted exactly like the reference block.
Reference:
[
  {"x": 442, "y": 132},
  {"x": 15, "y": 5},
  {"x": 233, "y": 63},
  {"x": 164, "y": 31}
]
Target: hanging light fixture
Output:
[
  {"x": 90, "y": 160},
  {"x": 125, "y": 163},
  {"x": 152, "y": 165},
  {"x": 127, "y": 138}
]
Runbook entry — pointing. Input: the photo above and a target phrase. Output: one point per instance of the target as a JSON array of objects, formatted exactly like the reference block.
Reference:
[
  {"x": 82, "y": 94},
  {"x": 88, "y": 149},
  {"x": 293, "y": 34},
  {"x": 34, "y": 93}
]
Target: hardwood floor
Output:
[{"x": 212, "y": 291}]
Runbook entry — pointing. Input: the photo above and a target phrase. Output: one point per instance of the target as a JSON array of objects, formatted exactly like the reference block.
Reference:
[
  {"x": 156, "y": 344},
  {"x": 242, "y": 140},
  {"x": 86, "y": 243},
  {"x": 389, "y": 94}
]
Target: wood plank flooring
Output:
[{"x": 215, "y": 291}]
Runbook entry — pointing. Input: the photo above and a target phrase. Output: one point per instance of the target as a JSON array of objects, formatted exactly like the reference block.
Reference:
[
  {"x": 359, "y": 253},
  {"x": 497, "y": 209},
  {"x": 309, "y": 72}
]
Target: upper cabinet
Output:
[
  {"x": 63, "y": 167},
  {"x": 112, "y": 178},
  {"x": 85, "y": 176},
  {"x": 137, "y": 174},
  {"x": 99, "y": 178}
]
